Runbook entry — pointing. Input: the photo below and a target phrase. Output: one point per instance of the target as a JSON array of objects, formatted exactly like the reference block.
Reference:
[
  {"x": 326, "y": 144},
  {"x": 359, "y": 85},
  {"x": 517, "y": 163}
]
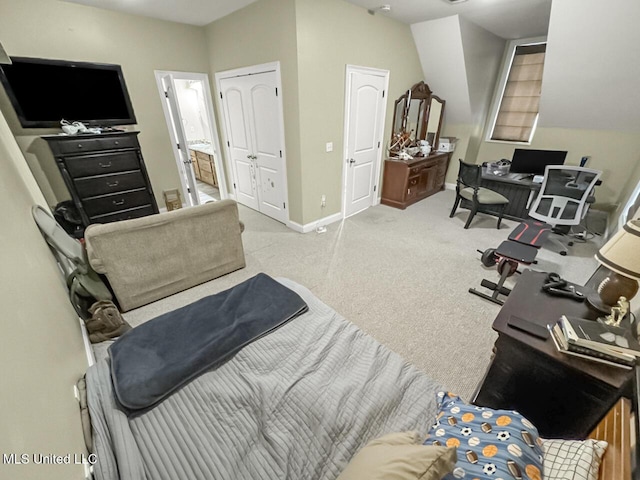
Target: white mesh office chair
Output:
[{"x": 564, "y": 198}]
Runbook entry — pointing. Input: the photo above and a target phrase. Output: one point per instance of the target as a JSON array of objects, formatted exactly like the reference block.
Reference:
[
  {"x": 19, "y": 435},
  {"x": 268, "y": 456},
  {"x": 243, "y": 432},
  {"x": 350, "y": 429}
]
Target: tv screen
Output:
[
  {"x": 43, "y": 92},
  {"x": 534, "y": 161}
]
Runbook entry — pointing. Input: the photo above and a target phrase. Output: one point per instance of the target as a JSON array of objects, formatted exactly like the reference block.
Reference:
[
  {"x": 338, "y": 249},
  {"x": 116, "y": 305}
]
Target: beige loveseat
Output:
[{"x": 149, "y": 258}]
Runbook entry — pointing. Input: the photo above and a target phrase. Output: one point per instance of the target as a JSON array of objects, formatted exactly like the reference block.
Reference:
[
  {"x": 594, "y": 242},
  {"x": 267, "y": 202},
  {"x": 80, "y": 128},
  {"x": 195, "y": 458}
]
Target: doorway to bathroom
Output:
[{"x": 188, "y": 109}]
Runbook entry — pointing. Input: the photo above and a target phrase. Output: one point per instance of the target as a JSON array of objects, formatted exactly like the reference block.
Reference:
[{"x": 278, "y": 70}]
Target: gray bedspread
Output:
[
  {"x": 150, "y": 362},
  {"x": 296, "y": 404}
]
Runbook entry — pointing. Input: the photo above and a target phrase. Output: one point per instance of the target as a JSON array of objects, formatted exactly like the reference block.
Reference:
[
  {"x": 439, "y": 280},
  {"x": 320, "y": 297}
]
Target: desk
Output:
[
  {"x": 564, "y": 396},
  {"x": 519, "y": 193}
]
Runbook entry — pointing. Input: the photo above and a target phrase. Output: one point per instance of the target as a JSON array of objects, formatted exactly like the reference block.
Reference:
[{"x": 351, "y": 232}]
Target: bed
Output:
[{"x": 298, "y": 403}]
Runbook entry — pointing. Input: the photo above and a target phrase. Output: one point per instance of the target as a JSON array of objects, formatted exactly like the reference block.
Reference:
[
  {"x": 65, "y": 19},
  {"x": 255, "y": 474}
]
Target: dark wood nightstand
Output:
[{"x": 563, "y": 396}]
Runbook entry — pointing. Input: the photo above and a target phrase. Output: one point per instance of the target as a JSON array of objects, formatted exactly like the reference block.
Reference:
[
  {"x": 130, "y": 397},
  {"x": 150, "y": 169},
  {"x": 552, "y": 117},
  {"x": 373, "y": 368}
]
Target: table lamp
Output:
[
  {"x": 4, "y": 58},
  {"x": 621, "y": 255}
]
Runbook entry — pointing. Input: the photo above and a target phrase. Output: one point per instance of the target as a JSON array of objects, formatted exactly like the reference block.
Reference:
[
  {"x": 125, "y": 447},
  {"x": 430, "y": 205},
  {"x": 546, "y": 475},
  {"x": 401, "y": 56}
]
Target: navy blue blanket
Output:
[{"x": 153, "y": 360}]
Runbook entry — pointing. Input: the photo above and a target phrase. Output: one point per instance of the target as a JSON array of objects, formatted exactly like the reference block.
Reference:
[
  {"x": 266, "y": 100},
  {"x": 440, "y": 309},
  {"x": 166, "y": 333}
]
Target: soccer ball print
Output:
[{"x": 491, "y": 444}]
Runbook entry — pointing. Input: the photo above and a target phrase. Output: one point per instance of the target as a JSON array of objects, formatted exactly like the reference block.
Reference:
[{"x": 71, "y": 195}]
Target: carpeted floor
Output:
[{"x": 401, "y": 276}]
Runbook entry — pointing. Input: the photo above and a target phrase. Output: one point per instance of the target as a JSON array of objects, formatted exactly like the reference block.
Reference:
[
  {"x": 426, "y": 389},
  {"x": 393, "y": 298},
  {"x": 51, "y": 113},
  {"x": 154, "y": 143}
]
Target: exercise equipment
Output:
[{"x": 521, "y": 247}]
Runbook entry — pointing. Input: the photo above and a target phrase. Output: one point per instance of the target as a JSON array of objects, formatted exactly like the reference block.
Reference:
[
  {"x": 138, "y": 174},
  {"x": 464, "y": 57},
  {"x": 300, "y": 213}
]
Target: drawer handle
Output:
[
  {"x": 79, "y": 145},
  {"x": 114, "y": 184},
  {"x": 118, "y": 202},
  {"x": 117, "y": 142},
  {"x": 104, "y": 165}
]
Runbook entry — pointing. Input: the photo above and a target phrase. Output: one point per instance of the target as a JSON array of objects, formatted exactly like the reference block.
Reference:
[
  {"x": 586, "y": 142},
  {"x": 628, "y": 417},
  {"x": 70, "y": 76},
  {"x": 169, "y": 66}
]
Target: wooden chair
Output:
[{"x": 482, "y": 199}]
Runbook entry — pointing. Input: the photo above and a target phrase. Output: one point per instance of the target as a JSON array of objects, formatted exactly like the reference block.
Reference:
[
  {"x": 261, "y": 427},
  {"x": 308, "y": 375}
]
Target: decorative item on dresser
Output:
[{"x": 105, "y": 175}]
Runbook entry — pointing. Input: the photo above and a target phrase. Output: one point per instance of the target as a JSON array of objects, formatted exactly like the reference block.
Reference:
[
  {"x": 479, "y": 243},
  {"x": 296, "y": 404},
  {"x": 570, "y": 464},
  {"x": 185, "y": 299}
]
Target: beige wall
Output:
[
  {"x": 331, "y": 35},
  {"x": 41, "y": 350},
  {"x": 62, "y": 30},
  {"x": 313, "y": 62},
  {"x": 579, "y": 112},
  {"x": 264, "y": 32},
  {"x": 615, "y": 153},
  {"x": 483, "y": 53},
  {"x": 591, "y": 70},
  {"x": 461, "y": 62}
]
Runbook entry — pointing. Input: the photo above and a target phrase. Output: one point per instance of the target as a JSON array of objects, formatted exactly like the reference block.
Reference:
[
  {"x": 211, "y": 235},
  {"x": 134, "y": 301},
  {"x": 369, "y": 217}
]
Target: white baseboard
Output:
[
  {"x": 449, "y": 186},
  {"x": 310, "y": 227}
]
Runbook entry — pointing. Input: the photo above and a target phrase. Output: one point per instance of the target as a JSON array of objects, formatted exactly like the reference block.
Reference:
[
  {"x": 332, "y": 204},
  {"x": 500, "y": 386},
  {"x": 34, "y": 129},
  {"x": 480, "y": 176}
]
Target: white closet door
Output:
[
  {"x": 254, "y": 130},
  {"x": 234, "y": 104},
  {"x": 365, "y": 120}
]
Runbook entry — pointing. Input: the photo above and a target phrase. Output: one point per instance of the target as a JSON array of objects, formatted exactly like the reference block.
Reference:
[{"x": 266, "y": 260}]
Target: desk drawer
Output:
[
  {"x": 116, "y": 202},
  {"x": 79, "y": 144},
  {"x": 124, "y": 215},
  {"x": 85, "y": 166},
  {"x": 104, "y": 184}
]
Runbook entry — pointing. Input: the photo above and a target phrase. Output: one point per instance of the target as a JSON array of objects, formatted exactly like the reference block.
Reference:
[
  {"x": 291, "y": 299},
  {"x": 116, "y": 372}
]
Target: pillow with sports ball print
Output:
[{"x": 491, "y": 444}]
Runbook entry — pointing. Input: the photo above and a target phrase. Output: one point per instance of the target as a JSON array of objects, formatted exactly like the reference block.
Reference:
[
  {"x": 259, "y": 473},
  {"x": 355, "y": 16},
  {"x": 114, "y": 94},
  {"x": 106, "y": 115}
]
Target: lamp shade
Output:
[
  {"x": 4, "y": 58},
  {"x": 622, "y": 252}
]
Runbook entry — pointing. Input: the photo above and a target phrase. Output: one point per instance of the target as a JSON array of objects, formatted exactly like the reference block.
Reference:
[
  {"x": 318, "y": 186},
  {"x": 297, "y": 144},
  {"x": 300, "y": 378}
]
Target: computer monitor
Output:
[{"x": 534, "y": 161}]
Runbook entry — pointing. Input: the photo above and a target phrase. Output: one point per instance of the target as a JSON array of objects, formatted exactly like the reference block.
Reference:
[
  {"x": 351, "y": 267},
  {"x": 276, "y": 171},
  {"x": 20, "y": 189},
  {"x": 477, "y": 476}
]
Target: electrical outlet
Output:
[
  {"x": 323, "y": 201},
  {"x": 329, "y": 147}
]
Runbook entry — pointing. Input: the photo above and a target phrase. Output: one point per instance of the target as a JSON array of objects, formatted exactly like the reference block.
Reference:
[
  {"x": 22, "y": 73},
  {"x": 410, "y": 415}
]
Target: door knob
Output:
[{"x": 352, "y": 161}]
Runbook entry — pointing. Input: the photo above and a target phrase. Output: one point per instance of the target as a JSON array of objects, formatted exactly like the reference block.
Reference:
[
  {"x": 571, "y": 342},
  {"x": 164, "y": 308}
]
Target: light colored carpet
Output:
[{"x": 401, "y": 276}]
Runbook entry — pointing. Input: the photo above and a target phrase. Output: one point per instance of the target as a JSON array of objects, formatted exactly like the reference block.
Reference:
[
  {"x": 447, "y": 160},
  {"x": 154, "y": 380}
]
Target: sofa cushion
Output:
[{"x": 485, "y": 196}]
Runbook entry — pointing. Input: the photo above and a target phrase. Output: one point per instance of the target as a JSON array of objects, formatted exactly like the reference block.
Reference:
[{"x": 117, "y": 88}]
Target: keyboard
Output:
[{"x": 518, "y": 176}]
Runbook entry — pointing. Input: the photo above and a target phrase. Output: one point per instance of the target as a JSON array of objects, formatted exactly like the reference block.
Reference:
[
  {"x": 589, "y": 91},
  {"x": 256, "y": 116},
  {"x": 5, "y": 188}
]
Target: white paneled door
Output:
[
  {"x": 254, "y": 125},
  {"x": 173, "y": 104},
  {"x": 366, "y": 106}
]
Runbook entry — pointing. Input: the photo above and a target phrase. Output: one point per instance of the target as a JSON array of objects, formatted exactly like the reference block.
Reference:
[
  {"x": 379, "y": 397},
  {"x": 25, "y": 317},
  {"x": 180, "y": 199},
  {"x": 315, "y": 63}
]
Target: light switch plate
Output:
[{"x": 329, "y": 146}]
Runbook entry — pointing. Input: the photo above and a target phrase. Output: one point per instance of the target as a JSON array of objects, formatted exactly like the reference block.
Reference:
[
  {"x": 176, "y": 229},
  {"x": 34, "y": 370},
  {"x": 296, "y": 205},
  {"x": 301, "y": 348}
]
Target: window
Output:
[{"x": 516, "y": 116}]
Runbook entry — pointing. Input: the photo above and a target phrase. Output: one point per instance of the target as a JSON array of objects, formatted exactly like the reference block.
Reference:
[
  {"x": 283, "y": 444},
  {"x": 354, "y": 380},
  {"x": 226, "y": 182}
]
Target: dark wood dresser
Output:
[
  {"x": 406, "y": 182},
  {"x": 105, "y": 175}
]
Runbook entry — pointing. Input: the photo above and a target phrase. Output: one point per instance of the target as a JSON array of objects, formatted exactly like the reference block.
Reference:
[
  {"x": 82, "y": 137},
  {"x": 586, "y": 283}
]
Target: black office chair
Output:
[{"x": 481, "y": 199}]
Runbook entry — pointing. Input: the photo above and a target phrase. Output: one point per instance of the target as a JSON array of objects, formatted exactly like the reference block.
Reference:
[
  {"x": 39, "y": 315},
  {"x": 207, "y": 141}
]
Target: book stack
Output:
[{"x": 595, "y": 341}]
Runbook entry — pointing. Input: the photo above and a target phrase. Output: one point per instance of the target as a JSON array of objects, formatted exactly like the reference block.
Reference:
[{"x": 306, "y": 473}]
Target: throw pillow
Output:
[
  {"x": 400, "y": 456},
  {"x": 491, "y": 444},
  {"x": 572, "y": 459}
]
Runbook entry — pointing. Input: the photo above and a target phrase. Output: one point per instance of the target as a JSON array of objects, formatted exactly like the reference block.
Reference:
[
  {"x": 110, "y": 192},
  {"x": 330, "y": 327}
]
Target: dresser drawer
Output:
[
  {"x": 116, "y": 202},
  {"x": 124, "y": 215},
  {"x": 79, "y": 144},
  {"x": 413, "y": 181},
  {"x": 104, "y": 184},
  {"x": 85, "y": 166}
]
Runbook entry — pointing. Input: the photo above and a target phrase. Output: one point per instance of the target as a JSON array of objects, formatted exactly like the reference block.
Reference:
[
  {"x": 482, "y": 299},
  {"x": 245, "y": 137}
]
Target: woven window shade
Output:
[{"x": 521, "y": 99}]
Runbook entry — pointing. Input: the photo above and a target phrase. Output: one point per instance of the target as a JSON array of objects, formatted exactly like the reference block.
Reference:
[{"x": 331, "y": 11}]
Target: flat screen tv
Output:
[
  {"x": 43, "y": 92},
  {"x": 534, "y": 162}
]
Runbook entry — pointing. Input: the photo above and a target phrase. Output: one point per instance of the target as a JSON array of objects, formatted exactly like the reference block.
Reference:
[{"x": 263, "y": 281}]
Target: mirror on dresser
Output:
[
  {"x": 434, "y": 122},
  {"x": 417, "y": 116}
]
